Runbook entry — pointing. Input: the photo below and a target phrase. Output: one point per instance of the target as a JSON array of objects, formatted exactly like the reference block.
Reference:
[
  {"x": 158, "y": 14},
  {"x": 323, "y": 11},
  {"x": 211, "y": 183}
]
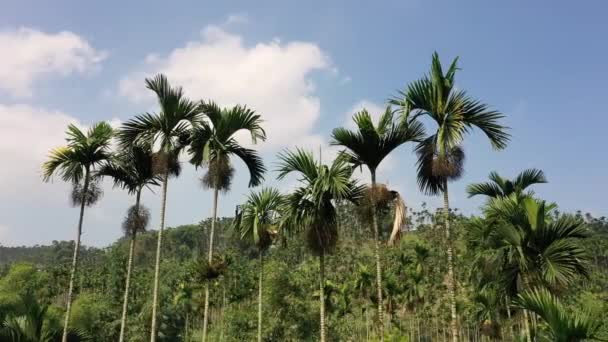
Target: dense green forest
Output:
[
  {"x": 334, "y": 259},
  {"x": 414, "y": 282}
]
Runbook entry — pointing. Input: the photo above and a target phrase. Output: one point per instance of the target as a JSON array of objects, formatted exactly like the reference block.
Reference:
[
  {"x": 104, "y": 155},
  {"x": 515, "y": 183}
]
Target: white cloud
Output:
[
  {"x": 273, "y": 78},
  {"x": 236, "y": 19},
  {"x": 29, "y": 55},
  {"x": 27, "y": 134}
]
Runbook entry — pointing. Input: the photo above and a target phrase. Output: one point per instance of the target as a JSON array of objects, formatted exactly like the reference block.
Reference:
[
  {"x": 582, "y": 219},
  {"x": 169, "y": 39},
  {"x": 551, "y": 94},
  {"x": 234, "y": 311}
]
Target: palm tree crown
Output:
[
  {"x": 169, "y": 129},
  {"x": 214, "y": 141},
  {"x": 311, "y": 206},
  {"x": 536, "y": 246},
  {"x": 370, "y": 143},
  {"x": 132, "y": 170},
  {"x": 501, "y": 187},
  {"x": 258, "y": 218},
  {"x": 83, "y": 151},
  {"x": 455, "y": 113}
]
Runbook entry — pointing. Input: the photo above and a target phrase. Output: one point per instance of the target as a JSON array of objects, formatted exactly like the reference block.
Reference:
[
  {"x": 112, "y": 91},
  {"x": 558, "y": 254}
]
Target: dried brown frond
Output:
[
  {"x": 219, "y": 175},
  {"x": 322, "y": 237},
  {"x": 136, "y": 220},
  {"x": 94, "y": 193}
]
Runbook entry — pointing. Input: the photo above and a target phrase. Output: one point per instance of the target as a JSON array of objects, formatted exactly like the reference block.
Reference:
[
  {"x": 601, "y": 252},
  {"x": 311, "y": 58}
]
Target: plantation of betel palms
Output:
[{"x": 331, "y": 256}]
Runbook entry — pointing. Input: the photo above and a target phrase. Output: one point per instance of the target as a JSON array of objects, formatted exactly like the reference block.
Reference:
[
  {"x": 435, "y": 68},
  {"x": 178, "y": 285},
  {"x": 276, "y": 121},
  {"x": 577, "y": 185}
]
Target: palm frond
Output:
[
  {"x": 252, "y": 160},
  {"x": 563, "y": 325},
  {"x": 486, "y": 189},
  {"x": 529, "y": 177},
  {"x": 298, "y": 161},
  {"x": 259, "y": 217},
  {"x": 370, "y": 144}
]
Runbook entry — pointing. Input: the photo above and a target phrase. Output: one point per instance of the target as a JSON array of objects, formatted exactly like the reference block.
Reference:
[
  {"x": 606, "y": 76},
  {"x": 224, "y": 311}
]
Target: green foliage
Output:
[
  {"x": 414, "y": 272},
  {"x": 94, "y": 314},
  {"x": 213, "y": 142},
  {"x": 562, "y": 325}
]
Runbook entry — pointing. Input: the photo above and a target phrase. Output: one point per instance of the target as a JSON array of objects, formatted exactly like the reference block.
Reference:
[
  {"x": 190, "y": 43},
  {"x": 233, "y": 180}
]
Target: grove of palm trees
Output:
[{"x": 316, "y": 252}]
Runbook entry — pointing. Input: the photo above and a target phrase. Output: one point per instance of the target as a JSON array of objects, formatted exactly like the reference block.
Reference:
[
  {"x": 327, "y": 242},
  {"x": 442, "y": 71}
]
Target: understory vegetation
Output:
[{"x": 416, "y": 301}]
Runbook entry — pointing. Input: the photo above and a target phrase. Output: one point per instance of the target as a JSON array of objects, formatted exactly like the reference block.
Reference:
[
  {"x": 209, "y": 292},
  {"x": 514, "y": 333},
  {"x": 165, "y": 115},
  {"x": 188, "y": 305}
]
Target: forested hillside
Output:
[{"x": 416, "y": 302}]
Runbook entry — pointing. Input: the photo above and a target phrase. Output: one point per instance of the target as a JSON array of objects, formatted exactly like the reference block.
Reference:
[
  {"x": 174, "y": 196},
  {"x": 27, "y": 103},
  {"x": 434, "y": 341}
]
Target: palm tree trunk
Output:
[
  {"x": 322, "y": 293},
  {"x": 260, "y": 296},
  {"x": 125, "y": 303},
  {"x": 378, "y": 261},
  {"x": 157, "y": 265},
  {"x": 206, "y": 310},
  {"x": 508, "y": 306},
  {"x": 68, "y": 310},
  {"x": 526, "y": 326},
  {"x": 451, "y": 278}
]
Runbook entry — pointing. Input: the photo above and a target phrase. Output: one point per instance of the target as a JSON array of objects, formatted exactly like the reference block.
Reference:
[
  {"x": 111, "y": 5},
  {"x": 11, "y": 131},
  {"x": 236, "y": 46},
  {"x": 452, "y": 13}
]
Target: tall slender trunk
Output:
[
  {"x": 451, "y": 278},
  {"x": 157, "y": 265},
  {"x": 260, "y": 295},
  {"x": 377, "y": 255},
  {"x": 210, "y": 259},
  {"x": 223, "y": 312},
  {"x": 526, "y": 326},
  {"x": 322, "y": 293},
  {"x": 125, "y": 303},
  {"x": 68, "y": 310},
  {"x": 508, "y": 306}
]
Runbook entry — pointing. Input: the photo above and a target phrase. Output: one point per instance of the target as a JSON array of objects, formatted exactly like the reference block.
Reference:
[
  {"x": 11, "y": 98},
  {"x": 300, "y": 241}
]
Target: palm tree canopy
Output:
[
  {"x": 131, "y": 170},
  {"x": 170, "y": 127},
  {"x": 83, "y": 151},
  {"x": 311, "y": 206},
  {"x": 258, "y": 218},
  {"x": 546, "y": 248},
  {"x": 502, "y": 187},
  {"x": 563, "y": 325},
  {"x": 455, "y": 113},
  {"x": 370, "y": 143},
  {"x": 214, "y": 141}
]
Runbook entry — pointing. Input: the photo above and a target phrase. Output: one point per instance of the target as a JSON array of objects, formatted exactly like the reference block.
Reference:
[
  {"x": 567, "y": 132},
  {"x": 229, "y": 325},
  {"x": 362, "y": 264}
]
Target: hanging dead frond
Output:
[
  {"x": 136, "y": 220},
  {"x": 399, "y": 223},
  {"x": 449, "y": 165},
  {"x": 94, "y": 193},
  {"x": 219, "y": 175},
  {"x": 383, "y": 197},
  {"x": 206, "y": 271},
  {"x": 322, "y": 237},
  {"x": 166, "y": 162}
]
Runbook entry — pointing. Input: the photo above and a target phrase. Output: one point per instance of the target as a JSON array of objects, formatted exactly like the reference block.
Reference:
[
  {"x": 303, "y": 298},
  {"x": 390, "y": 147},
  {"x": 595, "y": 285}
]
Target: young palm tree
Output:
[
  {"x": 535, "y": 250},
  {"x": 213, "y": 143},
  {"x": 563, "y": 326},
  {"x": 169, "y": 131},
  {"x": 368, "y": 146},
  {"x": 257, "y": 221},
  {"x": 501, "y": 187},
  {"x": 35, "y": 326},
  {"x": 311, "y": 207},
  {"x": 440, "y": 156},
  {"x": 133, "y": 171},
  {"x": 76, "y": 163}
]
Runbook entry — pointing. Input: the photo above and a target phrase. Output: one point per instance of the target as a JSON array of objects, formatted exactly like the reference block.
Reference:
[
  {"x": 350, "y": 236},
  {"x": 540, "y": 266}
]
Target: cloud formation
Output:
[
  {"x": 274, "y": 78},
  {"x": 29, "y": 55}
]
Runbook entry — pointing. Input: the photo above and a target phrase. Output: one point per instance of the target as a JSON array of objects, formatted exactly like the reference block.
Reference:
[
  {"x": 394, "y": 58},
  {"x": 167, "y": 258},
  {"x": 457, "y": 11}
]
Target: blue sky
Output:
[{"x": 305, "y": 67}]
